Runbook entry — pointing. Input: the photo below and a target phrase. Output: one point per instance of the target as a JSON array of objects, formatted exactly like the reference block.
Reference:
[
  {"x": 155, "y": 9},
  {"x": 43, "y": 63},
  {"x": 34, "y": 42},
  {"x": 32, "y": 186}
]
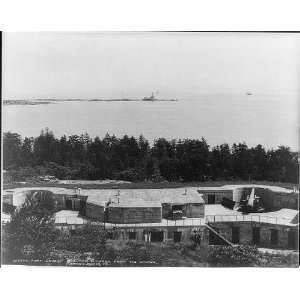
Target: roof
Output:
[
  {"x": 127, "y": 197},
  {"x": 146, "y": 197},
  {"x": 232, "y": 187},
  {"x": 218, "y": 212},
  {"x": 269, "y": 187}
]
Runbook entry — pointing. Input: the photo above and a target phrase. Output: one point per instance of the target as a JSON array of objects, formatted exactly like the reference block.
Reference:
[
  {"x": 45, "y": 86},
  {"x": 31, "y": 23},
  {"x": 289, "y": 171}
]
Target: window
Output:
[
  {"x": 274, "y": 236},
  {"x": 235, "y": 235},
  {"x": 177, "y": 236},
  {"x": 256, "y": 235},
  {"x": 132, "y": 235},
  {"x": 211, "y": 199}
]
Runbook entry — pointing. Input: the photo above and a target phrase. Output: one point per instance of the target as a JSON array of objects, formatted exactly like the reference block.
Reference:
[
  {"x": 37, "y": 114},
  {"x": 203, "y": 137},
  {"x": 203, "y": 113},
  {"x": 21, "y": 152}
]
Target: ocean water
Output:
[{"x": 266, "y": 120}]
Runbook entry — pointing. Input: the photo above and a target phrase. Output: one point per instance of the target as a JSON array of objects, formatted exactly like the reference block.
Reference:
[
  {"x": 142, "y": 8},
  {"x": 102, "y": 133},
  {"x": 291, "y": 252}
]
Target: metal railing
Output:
[
  {"x": 248, "y": 218},
  {"x": 163, "y": 223},
  {"x": 188, "y": 222}
]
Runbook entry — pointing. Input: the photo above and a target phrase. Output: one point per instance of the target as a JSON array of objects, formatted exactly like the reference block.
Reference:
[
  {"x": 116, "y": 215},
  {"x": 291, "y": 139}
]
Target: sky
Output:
[
  {"x": 185, "y": 66},
  {"x": 177, "y": 65}
]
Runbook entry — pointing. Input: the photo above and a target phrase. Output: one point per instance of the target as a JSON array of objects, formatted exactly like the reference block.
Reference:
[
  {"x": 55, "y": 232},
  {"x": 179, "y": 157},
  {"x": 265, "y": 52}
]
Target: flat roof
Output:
[
  {"x": 127, "y": 197},
  {"x": 232, "y": 187},
  {"x": 284, "y": 216},
  {"x": 146, "y": 197}
]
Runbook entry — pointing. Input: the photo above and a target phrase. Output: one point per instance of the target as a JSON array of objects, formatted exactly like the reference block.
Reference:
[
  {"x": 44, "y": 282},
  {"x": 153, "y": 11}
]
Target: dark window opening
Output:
[
  {"x": 177, "y": 236},
  {"x": 68, "y": 204},
  {"x": 177, "y": 212},
  {"x": 177, "y": 207},
  {"x": 157, "y": 236},
  {"x": 256, "y": 235},
  {"x": 82, "y": 207},
  {"x": 292, "y": 239},
  {"x": 235, "y": 235},
  {"x": 274, "y": 236},
  {"x": 211, "y": 199},
  {"x": 132, "y": 235}
]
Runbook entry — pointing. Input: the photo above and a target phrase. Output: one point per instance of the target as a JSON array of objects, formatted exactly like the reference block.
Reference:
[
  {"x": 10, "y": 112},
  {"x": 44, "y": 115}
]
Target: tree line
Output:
[{"x": 135, "y": 159}]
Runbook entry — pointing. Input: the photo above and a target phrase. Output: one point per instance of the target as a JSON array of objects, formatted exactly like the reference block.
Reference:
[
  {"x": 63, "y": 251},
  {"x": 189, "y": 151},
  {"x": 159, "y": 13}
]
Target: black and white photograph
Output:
[{"x": 150, "y": 149}]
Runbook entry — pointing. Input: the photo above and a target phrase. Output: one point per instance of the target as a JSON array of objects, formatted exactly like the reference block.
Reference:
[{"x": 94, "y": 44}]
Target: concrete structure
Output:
[
  {"x": 174, "y": 215},
  {"x": 272, "y": 197}
]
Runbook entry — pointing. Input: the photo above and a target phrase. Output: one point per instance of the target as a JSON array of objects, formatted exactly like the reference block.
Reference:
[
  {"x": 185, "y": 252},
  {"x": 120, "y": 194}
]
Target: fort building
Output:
[{"x": 233, "y": 214}]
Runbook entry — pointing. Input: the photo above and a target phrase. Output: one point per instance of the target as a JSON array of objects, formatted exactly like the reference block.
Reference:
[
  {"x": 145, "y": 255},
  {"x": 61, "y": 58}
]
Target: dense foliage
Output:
[
  {"x": 31, "y": 233},
  {"x": 128, "y": 158}
]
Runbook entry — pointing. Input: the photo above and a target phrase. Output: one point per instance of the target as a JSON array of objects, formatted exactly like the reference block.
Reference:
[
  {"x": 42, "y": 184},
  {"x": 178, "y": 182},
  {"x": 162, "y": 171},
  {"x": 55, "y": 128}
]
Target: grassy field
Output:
[{"x": 142, "y": 185}]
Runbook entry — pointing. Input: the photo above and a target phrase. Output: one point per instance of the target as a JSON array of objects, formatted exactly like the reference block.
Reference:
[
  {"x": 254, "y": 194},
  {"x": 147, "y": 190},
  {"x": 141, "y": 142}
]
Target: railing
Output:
[
  {"x": 164, "y": 223},
  {"x": 188, "y": 222},
  {"x": 247, "y": 218}
]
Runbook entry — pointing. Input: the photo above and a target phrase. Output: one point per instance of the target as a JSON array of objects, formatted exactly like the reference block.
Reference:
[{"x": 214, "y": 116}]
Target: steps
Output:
[{"x": 219, "y": 235}]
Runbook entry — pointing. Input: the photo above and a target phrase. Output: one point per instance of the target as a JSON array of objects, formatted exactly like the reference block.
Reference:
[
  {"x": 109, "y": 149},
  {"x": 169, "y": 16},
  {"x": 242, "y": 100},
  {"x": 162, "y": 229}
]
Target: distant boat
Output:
[
  {"x": 249, "y": 94},
  {"x": 151, "y": 98}
]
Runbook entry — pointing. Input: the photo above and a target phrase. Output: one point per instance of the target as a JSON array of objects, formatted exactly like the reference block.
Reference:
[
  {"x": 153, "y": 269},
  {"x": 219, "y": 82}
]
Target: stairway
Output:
[{"x": 219, "y": 235}]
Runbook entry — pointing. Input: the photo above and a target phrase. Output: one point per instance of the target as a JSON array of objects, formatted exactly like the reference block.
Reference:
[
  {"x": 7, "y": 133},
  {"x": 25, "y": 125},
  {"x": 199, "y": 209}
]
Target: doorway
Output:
[
  {"x": 177, "y": 236},
  {"x": 211, "y": 199},
  {"x": 235, "y": 235},
  {"x": 256, "y": 235},
  {"x": 292, "y": 239},
  {"x": 274, "y": 237},
  {"x": 157, "y": 236},
  {"x": 69, "y": 204}
]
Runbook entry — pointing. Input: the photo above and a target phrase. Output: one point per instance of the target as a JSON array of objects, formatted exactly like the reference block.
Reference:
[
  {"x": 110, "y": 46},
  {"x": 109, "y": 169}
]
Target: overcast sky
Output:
[{"x": 180, "y": 65}]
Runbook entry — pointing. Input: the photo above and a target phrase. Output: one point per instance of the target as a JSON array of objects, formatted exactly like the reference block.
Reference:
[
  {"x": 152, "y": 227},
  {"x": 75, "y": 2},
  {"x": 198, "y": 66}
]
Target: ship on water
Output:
[{"x": 152, "y": 98}]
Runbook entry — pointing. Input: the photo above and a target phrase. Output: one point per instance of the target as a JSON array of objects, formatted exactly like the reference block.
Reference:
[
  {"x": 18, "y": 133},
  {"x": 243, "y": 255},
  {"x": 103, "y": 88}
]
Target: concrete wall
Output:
[
  {"x": 194, "y": 210},
  {"x": 95, "y": 212},
  {"x": 190, "y": 210},
  {"x": 131, "y": 215},
  {"x": 246, "y": 233},
  {"x": 270, "y": 200},
  {"x": 7, "y": 199},
  {"x": 219, "y": 195},
  {"x": 145, "y": 234},
  {"x": 225, "y": 229}
]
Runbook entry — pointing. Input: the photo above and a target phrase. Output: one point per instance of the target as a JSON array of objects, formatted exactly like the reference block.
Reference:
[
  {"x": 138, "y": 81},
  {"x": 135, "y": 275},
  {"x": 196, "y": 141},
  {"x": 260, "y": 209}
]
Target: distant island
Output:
[
  {"x": 54, "y": 101},
  {"x": 26, "y": 102}
]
